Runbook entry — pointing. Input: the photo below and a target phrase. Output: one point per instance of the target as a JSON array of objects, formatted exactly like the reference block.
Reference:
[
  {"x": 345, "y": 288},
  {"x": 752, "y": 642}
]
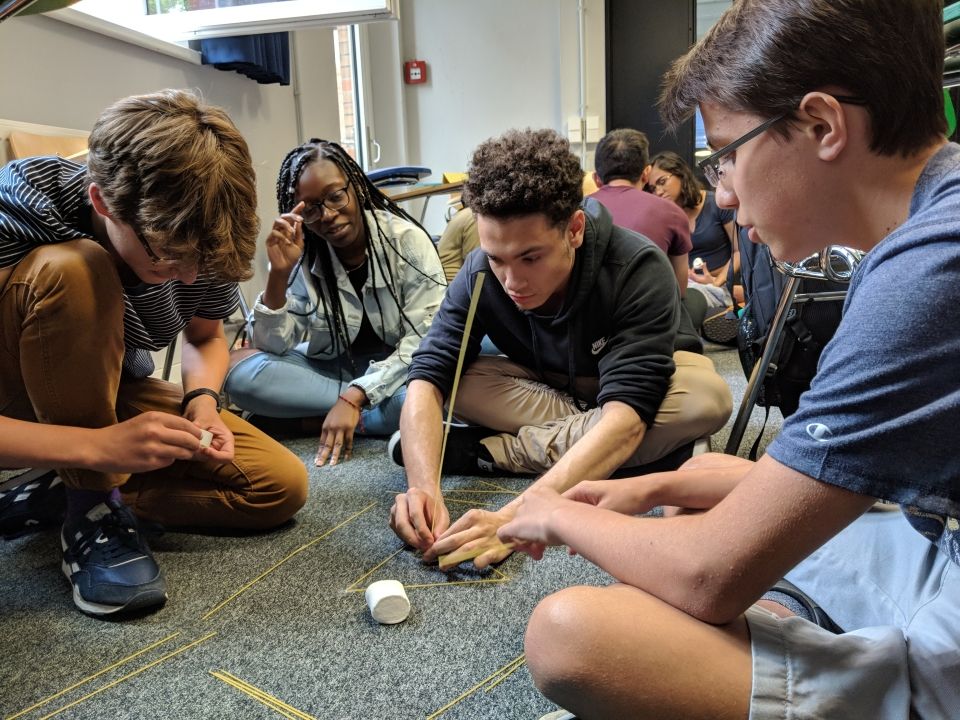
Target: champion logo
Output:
[
  {"x": 819, "y": 432},
  {"x": 598, "y": 345}
]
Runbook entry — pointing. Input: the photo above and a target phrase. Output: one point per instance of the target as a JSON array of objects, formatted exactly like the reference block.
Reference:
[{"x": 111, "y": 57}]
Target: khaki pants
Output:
[
  {"x": 61, "y": 351},
  {"x": 539, "y": 423}
]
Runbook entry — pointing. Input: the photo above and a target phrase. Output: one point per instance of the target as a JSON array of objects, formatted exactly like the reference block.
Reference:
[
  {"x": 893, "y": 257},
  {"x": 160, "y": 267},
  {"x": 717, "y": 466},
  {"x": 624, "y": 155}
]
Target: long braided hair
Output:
[{"x": 369, "y": 198}]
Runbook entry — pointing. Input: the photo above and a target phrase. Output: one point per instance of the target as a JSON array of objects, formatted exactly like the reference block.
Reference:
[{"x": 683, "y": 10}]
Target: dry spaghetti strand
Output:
[
  {"x": 274, "y": 703},
  {"x": 87, "y": 679},
  {"x": 277, "y": 564},
  {"x": 146, "y": 667},
  {"x": 493, "y": 678},
  {"x": 474, "y": 299}
]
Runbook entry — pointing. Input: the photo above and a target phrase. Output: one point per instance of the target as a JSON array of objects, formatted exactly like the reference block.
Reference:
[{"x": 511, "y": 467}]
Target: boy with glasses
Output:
[
  {"x": 869, "y": 624},
  {"x": 99, "y": 265}
]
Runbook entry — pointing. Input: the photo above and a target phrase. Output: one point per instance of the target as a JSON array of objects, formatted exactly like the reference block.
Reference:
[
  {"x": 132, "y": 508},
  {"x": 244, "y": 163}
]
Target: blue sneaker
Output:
[
  {"x": 36, "y": 502},
  {"x": 109, "y": 564}
]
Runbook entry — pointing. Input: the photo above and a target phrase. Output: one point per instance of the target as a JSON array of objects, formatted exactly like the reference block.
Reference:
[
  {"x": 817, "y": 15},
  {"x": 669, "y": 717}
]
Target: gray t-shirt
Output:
[{"x": 882, "y": 415}]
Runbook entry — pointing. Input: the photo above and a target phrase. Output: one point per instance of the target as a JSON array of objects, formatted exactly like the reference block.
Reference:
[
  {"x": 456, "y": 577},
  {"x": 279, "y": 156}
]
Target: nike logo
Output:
[{"x": 598, "y": 346}]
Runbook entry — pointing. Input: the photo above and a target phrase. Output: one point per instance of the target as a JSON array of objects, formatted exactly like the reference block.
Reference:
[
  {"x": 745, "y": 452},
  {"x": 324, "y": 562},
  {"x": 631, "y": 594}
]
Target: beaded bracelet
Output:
[{"x": 351, "y": 403}]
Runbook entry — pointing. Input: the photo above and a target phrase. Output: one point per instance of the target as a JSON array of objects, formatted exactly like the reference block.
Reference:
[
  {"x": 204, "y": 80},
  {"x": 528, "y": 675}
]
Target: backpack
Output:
[{"x": 809, "y": 327}]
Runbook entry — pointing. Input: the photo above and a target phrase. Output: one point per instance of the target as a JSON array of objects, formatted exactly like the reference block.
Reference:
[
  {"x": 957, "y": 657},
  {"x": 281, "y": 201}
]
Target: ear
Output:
[
  {"x": 96, "y": 199},
  {"x": 576, "y": 227},
  {"x": 644, "y": 177},
  {"x": 596, "y": 179},
  {"x": 823, "y": 119}
]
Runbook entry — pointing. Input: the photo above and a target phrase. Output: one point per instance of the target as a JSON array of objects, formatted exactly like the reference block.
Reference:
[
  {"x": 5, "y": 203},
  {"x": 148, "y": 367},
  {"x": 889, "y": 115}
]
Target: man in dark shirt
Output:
[
  {"x": 587, "y": 315},
  {"x": 622, "y": 163}
]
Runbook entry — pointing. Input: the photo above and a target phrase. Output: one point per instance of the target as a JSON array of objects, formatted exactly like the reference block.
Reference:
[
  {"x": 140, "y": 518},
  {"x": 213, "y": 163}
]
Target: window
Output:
[{"x": 182, "y": 20}]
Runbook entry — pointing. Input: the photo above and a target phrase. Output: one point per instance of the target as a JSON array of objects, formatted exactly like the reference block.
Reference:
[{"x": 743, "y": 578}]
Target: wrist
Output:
[
  {"x": 346, "y": 400},
  {"x": 356, "y": 396},
  {"x": 197, "y": 397}
]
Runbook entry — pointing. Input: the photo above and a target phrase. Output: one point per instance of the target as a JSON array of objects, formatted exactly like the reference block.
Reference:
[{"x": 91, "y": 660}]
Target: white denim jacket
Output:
[{"x": 280, "y": 330}]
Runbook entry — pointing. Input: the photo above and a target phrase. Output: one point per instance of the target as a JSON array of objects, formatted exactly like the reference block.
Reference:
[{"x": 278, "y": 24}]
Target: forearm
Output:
[
  {"x": 421, "y": 424},
  {"x": 713, "y": 565},
  {"x": 205, "y": 361},
  {"x": 681, "y": 268},
  {"x": 275, "y": 293},
  {"x": 29, "y": 444},
  {"x": 697, "y": 489}
]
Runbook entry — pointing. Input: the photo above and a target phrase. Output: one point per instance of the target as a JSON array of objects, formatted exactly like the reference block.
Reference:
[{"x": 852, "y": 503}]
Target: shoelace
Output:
[{"x": 119, "y": 532}]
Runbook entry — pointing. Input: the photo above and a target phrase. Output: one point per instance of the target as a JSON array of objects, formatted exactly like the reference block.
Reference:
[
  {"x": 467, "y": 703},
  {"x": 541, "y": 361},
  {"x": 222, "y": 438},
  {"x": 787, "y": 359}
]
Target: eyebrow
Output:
[{"x": 528, "y": 251}]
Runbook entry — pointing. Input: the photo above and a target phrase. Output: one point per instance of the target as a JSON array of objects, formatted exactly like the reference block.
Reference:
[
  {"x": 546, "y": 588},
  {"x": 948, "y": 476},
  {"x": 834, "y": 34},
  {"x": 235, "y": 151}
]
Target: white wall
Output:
[
  {"x": 61, "y": 75},
  {"x": 492, "y": 65}
]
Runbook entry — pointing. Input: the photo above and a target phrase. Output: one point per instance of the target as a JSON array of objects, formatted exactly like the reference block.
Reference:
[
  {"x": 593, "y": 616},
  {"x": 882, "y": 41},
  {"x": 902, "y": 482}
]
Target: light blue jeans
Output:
[
  {"x": 292, "y": 385},
  {"x": 898, "y": 598}
]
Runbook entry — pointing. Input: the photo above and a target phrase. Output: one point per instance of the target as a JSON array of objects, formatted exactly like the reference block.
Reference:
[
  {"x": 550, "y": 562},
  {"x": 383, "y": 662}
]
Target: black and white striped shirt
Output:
[{"x": 44, "y": 200}]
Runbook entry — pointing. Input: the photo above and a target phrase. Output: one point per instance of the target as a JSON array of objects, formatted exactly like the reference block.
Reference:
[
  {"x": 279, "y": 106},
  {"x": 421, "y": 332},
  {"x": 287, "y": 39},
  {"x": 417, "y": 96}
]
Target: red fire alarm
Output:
[{"x": 415, "y": 72}]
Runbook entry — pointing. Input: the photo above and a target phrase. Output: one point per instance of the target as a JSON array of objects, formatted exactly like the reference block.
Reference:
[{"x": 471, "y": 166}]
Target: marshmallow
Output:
[
  {"x": 388, "y": 601},
  {"x": 206, "y": 437}
]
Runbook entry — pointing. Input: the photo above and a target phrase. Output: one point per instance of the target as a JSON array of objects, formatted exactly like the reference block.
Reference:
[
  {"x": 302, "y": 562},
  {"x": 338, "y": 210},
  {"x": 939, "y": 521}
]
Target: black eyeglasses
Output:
[
  {"x": 336, "y": 200},
  {"x": 712, "y": 166},
  {"x": 163, "y": 262},
  {"x": 155, "y": 259}
]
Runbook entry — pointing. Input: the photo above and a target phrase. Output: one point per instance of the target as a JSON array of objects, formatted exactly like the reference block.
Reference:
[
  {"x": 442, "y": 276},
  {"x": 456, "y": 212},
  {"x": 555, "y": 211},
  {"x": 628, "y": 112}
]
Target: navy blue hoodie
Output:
[{"x": 618, "y": 321}]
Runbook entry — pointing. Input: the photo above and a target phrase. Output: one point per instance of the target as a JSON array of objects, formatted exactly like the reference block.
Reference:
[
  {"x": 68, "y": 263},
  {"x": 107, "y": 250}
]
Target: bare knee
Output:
[{"x": 560, "y": 643}]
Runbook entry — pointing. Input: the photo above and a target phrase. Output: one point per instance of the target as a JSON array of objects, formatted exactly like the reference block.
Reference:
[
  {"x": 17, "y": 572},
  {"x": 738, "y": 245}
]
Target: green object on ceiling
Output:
[
  {"x": 950, "y": 112},
  {"x": 951, "y": 12},
  {"x": 42, "y": 6}
]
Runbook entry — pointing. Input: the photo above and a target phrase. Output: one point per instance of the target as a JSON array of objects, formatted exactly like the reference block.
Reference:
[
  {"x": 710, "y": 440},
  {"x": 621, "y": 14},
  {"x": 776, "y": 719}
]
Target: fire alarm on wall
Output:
[{"x": 415, "y": 72}]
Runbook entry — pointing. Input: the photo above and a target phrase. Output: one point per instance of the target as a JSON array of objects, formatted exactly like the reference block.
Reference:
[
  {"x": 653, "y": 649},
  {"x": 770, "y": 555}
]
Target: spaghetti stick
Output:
[{"x": 471, "y": 311}]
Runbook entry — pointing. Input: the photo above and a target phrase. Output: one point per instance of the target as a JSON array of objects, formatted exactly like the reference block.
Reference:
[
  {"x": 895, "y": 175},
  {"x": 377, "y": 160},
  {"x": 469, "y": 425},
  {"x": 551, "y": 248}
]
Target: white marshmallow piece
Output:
[
  {"x": 388, "y": 601},
  {"x": 206, "y": 437}
]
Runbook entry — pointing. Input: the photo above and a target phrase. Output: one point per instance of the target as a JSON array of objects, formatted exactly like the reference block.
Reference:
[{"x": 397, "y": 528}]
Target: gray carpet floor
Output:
[{"x": 285, "y": 613}]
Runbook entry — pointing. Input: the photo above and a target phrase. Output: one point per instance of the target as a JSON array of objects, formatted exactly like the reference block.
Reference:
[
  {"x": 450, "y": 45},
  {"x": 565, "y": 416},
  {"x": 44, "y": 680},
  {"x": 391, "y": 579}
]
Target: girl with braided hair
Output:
[{"x": 353, "y": 285}]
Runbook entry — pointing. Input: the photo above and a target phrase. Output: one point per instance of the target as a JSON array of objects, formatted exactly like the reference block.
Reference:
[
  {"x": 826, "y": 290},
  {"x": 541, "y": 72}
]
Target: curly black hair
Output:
[{"x": 524, "y": 172}]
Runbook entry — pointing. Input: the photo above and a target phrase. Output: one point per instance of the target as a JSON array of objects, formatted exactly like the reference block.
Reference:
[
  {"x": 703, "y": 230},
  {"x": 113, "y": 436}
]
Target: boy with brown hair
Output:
[{"x": 99, "y": 265}]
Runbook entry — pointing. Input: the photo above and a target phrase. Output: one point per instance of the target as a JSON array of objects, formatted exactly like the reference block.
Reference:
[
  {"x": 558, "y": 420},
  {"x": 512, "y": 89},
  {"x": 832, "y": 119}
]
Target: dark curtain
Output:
[{"x": 264, "y": 58}]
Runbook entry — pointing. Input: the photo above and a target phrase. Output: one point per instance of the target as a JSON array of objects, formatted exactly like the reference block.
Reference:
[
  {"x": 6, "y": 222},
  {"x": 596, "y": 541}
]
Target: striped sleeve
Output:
[{"x": 42, "y": 200}]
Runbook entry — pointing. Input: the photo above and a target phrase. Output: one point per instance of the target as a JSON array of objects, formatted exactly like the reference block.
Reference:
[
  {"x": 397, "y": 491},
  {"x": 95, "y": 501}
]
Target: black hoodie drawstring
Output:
[{"x": 582, "y": 405}]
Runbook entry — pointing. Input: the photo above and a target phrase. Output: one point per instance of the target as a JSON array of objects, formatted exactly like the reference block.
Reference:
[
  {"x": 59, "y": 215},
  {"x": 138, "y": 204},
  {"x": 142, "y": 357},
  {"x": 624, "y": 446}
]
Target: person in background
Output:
[
  {"x": 354, "y": 283},
  {"x": 622, "y": 162},
  {"x": 459, "y": 239},
  {"x": 713, "y": 236}
]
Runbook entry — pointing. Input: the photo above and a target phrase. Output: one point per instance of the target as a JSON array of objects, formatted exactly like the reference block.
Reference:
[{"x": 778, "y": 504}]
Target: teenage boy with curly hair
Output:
[
  {"x": 586, "y": 315},
  {"x": 99, "y": 265},
  {"x": 825, "y": 137}
]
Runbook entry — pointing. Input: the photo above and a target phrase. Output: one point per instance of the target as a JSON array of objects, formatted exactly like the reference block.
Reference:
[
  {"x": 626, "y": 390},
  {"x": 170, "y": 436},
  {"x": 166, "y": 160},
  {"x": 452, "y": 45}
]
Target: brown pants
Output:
[
  {"x": 61, "y": 351},
  {"x": 539, "y": 423}
]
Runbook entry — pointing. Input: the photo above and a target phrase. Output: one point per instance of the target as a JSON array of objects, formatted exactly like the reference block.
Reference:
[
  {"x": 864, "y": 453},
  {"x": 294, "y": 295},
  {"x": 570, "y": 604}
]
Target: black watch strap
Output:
[{"x": 197, "y": 393}]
